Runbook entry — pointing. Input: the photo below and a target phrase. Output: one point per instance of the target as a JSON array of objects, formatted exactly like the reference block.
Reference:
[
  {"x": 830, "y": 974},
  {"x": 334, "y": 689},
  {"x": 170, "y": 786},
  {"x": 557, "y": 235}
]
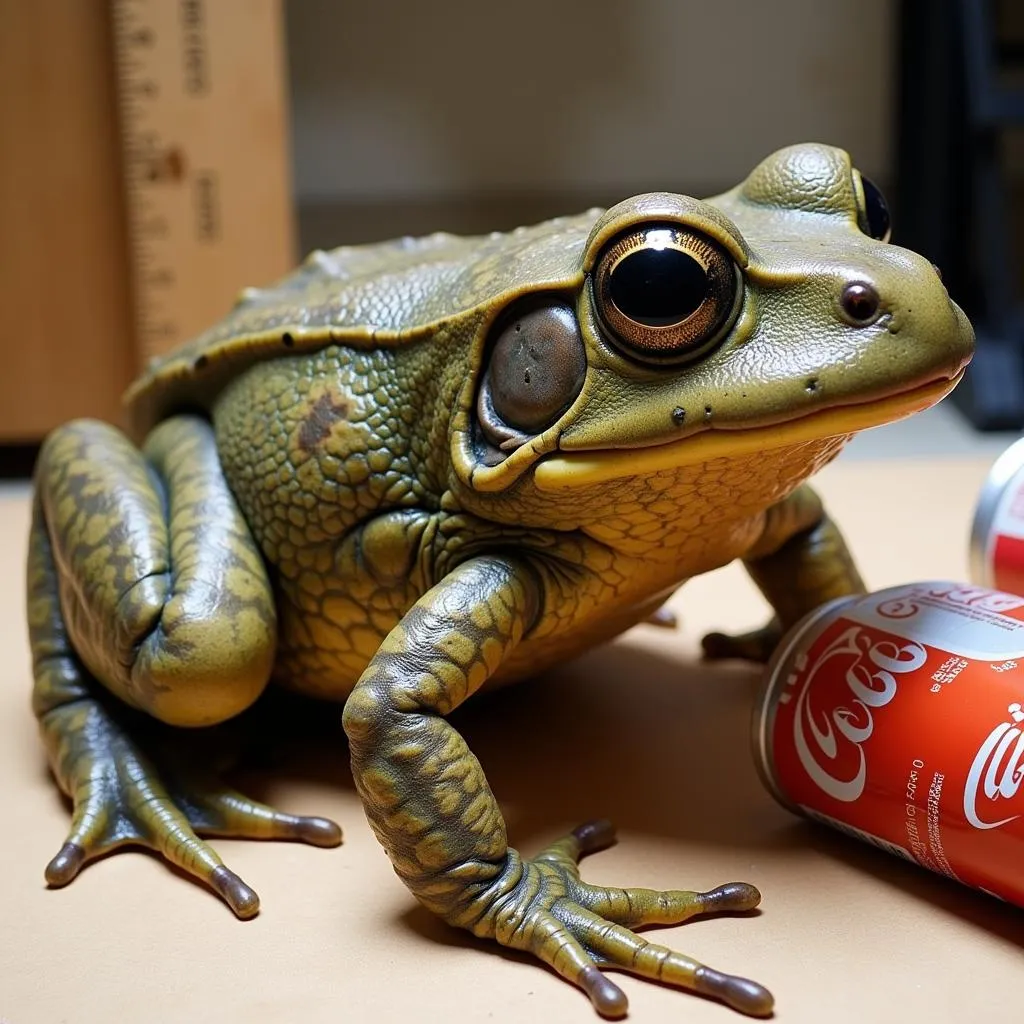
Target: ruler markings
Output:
[{"x": 201, "y": 103}]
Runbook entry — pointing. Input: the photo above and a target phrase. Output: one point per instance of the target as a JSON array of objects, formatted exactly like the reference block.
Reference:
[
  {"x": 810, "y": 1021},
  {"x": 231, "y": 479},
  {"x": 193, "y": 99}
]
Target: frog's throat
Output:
[{"x": 580, "y": 469}]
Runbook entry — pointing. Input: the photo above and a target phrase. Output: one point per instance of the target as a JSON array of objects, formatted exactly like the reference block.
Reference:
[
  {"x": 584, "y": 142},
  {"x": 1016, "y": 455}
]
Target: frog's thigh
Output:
[
  {"x": 163, "y": 591},
  {"x": 119, "y": 579}
]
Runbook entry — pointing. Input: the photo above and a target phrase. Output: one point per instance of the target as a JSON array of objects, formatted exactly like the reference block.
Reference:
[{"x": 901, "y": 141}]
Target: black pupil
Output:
[
  {"x": 658, "y": 287},
  {"x": 876, "y": 210}
]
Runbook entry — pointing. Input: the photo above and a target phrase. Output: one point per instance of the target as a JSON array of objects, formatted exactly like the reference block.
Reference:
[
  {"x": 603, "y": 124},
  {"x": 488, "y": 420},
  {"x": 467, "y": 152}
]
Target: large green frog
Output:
[{"x": 413, "y": 469}]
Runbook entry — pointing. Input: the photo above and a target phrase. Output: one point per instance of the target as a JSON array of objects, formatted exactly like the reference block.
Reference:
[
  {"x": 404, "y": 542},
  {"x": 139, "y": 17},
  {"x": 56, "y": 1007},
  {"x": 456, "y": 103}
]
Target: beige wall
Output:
[{"x": 450, "y": 98}]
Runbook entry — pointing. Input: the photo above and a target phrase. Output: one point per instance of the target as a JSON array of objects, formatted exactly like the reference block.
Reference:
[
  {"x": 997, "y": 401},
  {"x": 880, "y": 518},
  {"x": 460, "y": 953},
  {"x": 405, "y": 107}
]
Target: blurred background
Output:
[{"x": 158, "y": 155}]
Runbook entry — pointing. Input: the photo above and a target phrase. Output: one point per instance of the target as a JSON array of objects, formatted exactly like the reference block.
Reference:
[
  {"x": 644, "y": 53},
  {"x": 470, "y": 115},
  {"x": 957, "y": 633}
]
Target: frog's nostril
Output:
[{"x": 860, "y": 303}]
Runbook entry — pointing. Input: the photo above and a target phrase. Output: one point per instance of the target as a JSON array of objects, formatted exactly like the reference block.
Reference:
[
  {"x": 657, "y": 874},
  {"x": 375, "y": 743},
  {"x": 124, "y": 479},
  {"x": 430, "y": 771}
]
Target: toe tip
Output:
[
  {"x": 608, "y": 999},
  {"x": 740, "y": 993},
  {"x": 238, "y": 896},
  {"x": 735, "y": 896},
  {"x": 594, "y": 835},
  {"x": 319, "y": 832},
  {"x": 63, "y": 868}
]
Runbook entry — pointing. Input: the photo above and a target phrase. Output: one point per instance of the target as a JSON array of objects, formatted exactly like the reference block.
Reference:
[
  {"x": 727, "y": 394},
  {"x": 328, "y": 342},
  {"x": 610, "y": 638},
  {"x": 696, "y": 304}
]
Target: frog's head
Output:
[{"x": 773, "y": 314}]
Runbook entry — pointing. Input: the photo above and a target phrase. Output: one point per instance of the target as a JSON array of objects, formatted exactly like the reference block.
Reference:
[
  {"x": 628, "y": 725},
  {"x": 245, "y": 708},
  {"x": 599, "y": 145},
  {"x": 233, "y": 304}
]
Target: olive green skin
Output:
[{"x": 312, "y": 504}]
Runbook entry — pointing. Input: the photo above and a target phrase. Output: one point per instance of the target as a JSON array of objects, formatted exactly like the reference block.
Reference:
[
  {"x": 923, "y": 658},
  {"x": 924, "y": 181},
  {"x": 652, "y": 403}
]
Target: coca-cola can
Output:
[
  {"x": 898, "y": 718},
  {"x": 997, "y": 531}
]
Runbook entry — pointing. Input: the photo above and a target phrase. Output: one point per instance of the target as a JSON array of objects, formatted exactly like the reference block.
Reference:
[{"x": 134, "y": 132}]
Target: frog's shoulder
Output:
[{"x": 364, "y": 296}]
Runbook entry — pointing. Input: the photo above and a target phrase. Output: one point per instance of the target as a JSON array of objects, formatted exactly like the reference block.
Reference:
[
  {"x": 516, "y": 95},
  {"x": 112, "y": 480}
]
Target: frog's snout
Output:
[{"x": 924, "y": 330}]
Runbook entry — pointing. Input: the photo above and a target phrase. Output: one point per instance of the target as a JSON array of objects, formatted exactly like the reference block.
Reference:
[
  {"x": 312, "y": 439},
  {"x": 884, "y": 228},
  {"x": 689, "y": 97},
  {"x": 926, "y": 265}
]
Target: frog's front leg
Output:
[
  {"x": 144, "y": 584},
  {"x": 429, "y": 804},
  {"x": 799, "y": 562}
]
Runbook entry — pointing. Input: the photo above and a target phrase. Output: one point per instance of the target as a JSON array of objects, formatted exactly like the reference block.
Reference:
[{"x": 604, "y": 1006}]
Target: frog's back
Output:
[{"x": 364, "y": 297}]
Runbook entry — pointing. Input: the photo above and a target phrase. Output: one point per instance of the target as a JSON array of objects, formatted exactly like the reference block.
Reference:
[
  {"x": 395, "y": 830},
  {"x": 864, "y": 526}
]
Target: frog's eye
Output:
[
  {"x": 665, "y": 292},
  {"x": 873, "y": 211},
  {"x": 536, "y": 369}
]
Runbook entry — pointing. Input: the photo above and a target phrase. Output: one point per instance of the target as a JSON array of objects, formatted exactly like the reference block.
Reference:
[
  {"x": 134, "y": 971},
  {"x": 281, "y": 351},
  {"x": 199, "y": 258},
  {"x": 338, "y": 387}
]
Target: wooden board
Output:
[
  {"x": 202, "y": 105},
  {"x": 204, "y": 200},
  {"x": 66, "y": 345}
]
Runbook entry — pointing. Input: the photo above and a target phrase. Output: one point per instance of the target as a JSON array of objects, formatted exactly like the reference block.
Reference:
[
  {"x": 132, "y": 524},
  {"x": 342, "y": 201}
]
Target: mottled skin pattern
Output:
[{"x": 316, "y": 503}]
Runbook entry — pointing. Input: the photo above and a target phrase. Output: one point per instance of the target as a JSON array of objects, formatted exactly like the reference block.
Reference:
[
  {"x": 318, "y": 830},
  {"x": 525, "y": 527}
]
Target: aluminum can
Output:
[
  {"x": 997, "y": 531},
  {"x": 898, "y": 718}
]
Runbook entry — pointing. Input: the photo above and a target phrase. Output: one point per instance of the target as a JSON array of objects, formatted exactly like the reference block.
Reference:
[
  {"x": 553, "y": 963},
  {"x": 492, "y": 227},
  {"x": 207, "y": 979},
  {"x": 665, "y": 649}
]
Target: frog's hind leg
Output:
[{"x": 144, "y": 584}]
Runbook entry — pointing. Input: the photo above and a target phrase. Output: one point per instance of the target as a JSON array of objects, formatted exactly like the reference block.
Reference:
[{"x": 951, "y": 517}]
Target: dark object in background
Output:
[{"x": 953, "y": 192}]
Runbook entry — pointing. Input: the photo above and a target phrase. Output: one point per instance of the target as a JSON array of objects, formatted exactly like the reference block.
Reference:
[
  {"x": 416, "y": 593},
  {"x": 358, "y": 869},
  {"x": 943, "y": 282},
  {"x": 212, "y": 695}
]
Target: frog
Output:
[{"x": 416, "y": 470}]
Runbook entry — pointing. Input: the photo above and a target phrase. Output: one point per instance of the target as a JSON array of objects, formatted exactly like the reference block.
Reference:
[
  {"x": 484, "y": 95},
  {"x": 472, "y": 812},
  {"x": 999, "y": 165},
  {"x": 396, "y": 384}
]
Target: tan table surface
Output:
[{"x": 846, "y": 933}]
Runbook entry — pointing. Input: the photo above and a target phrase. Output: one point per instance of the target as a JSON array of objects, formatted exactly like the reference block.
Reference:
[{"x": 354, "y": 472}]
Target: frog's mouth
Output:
[{"x": 580, "y": 469}]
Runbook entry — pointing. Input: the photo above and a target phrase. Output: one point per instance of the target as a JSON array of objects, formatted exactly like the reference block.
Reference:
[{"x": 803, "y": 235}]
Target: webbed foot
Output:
[
  {"x": 121, "y": 798},
  {"x": 757, "y": 645},
  {"x": 578, "y": 928}
]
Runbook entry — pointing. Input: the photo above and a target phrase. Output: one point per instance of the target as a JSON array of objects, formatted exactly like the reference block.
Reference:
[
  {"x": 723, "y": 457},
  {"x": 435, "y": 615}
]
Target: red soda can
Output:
[
  {"x": 898, "y": 718},
  {"x": 997, "y": 532}
]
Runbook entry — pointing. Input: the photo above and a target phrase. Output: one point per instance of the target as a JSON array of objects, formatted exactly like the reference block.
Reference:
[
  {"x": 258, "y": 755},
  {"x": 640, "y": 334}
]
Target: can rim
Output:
[
  {"x": 762, "y": 723},
  {"x": 1003, "y": 470}
]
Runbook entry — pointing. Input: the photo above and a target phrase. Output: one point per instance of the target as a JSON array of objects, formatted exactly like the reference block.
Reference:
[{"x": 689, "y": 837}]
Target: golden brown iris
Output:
[{"x": 665, "y": 292}]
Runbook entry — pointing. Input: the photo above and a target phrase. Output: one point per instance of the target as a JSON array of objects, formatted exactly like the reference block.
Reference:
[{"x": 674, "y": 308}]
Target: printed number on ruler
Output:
[{"x": 202, "y": 225}]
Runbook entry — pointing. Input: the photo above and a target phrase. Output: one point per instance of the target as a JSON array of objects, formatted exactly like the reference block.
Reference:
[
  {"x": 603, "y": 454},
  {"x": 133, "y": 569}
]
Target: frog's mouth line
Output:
[{"x": 580, "y": 469}]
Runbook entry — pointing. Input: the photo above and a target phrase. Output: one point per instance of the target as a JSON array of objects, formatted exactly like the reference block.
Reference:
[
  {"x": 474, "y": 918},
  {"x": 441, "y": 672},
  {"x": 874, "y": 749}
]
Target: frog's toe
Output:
[
  {"x": 757, "y": 645},
  {"x": 120, "y": 801},
  {"x": 637, "y": 907},
  {"x": 614, "y": 946},
  {"x": 216, "y": 810},
  {"x": 578, "y": 928},
  {"x": 122, "y": 797},
  {"x": 175, "y": 841},
  {"x": 65, "y": 865},
  {"x": 236, "y": 894}
]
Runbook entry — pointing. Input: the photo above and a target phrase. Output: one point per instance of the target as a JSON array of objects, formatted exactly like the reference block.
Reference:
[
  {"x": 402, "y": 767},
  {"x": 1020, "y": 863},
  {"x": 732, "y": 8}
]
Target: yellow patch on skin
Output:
[
  {"x": 454, "y": 748},
  {"x": 361, "y": 710},
  {"x": 481, "y": 617},
  {"x": 407, "y": 751},
  {"x": 432, "y": 852},
  {"x": 476, "y": 676},
  {"x": 448, "y": 798},
  {"x": 478, "y": 808},
  {"x": 428, "y": 690},
  {"x": 459, "y": 647},
  {"x": 380, "y": 786},
  {"x": 492, "y": 651},
  {"x": 407, "y": 822}
]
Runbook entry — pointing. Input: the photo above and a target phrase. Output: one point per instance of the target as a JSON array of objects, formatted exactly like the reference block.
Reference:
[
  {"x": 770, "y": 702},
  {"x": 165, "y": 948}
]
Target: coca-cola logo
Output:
[
  {"x": 997, "y": 770},
  {"x": 830, "y": 740}
]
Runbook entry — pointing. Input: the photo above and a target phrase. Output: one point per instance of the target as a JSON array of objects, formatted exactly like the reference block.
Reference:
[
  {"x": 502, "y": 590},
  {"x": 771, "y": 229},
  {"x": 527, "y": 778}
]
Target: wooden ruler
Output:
[{"x": 202, "y": 96}]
